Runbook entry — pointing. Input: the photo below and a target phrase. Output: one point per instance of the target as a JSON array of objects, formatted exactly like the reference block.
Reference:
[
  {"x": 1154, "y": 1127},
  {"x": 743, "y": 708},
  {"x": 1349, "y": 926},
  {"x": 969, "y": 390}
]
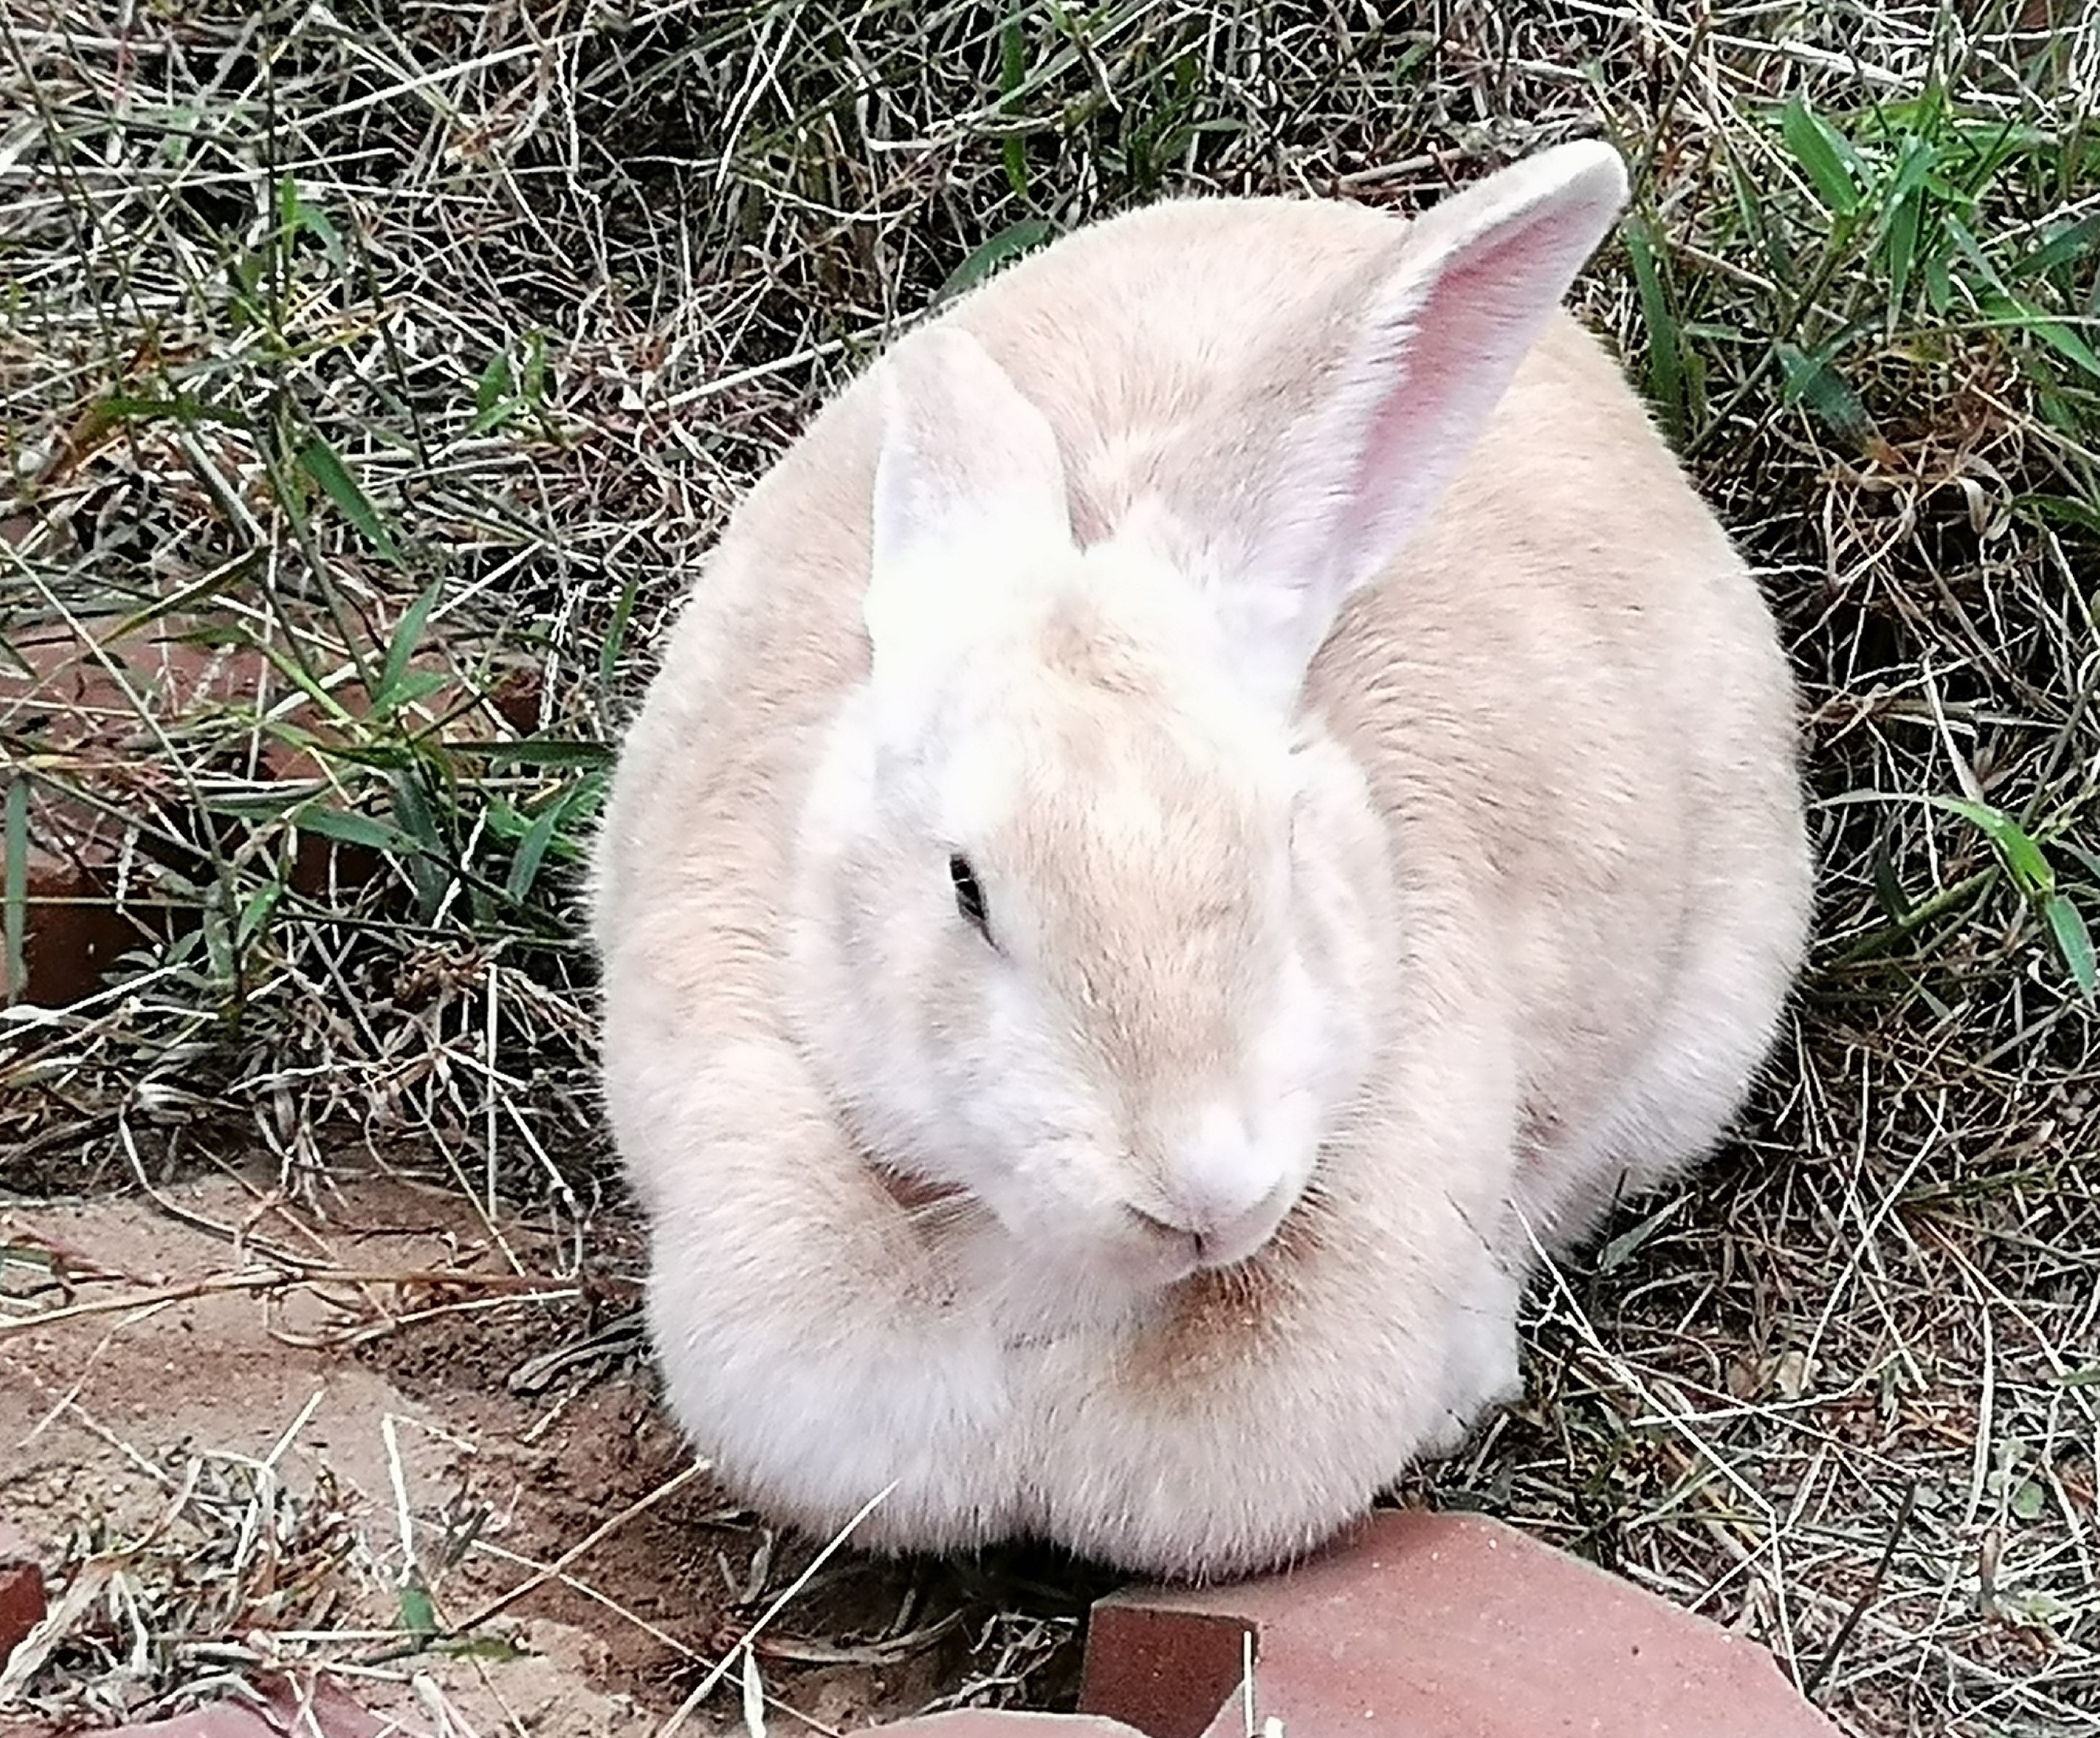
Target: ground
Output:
[
  {"x": 372, "y": 378},
  {"x": 255, "y": 1469}
]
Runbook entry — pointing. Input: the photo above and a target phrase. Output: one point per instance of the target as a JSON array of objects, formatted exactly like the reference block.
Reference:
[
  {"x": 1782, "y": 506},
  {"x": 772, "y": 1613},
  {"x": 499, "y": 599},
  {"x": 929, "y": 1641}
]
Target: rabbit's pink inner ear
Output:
[
  {"x": 1470, "y": 288},
  {"x": 1449, "y": 341}
]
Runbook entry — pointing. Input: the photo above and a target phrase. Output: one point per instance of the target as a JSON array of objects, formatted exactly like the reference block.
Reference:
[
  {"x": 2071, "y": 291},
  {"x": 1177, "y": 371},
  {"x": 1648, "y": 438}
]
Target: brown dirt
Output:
[{"x": 406, "y": 1396}]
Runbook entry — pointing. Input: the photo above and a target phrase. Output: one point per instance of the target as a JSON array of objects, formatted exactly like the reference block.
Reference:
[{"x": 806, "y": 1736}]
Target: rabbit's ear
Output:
[
  {"x": 968, "y": 482},
  {"x": 1420, "y": 348}
]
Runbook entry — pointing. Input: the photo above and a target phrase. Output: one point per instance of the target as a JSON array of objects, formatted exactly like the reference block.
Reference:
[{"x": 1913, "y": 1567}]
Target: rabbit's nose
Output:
[{"x": 1219, "y": 1175}]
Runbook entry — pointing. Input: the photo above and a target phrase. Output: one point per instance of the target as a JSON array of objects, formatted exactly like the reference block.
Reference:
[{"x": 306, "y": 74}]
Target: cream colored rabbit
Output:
[{"x": 1223, "y": 788}]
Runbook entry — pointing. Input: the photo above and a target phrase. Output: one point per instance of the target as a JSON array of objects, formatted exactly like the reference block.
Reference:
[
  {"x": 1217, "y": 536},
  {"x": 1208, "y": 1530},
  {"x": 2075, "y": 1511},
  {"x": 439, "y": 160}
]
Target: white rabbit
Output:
[{"x": 1225, "y": 787}]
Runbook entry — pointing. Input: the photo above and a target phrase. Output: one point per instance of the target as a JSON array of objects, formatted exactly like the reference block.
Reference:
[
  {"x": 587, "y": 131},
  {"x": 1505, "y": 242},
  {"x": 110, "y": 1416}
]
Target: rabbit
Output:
[{"x": 1226, "y": 795}]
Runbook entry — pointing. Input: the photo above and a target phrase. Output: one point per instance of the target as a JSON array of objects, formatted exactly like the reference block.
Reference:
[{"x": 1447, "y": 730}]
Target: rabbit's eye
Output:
[{"x": 970, "y": 896}]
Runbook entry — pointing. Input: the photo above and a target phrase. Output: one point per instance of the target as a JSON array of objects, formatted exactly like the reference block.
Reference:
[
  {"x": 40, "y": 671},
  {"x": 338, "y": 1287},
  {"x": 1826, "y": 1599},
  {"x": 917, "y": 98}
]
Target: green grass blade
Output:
[
  {"x": 408, "y": 634},
  {"x": 418, "y": 1614},
  {"x": 1815, "y": 382},
  {"x": 1012, "y": 74},
  {"x": 256, "y": 912},
  {"x": 346, "y": 826},
  {"x": 1823, "y": 152},
  {"x": 2015, "y": 314},
  {"x": 1899, "y": 249},
  {"x": 1665, "y": 369},
  {"x": 320, "y": 462},
  {"x": 988, "y": 256},
  {"x": 2068, "y": 246},
  {"x": 615, "y": 636},
  {"x": 494, "y": 386},
  {"x": 418, "y": 818},
  {"x": 2030, "y": 868},
  {"x": 541, "y": 751},
  {"x": 2074, "y": 940},
  {"x": 531, "y": 850}
]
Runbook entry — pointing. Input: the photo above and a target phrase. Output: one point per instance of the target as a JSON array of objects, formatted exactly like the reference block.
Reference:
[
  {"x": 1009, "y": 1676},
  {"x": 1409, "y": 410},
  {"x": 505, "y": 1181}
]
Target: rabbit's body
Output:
[{"x": 1555, "y": 890}]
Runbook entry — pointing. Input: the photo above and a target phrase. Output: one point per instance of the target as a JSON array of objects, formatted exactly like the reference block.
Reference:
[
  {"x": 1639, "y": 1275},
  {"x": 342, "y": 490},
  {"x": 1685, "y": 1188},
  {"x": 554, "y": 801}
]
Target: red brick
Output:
[
  {"x": 1452, "y": 1626},
  {"x": 987, "y": 1722},
  {"x": 1166, "y": 1671},
  {"x": 21, "y": 1590},
  {"x": 60, "y": 695},
  {"x": 221, "y": 1720},
  {"x": 75, "y": 931},
  {"x": 319, "y": 1711}
]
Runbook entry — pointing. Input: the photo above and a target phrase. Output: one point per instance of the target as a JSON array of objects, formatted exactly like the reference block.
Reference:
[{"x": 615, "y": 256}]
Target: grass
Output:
[{"x": 372, "y": 377}]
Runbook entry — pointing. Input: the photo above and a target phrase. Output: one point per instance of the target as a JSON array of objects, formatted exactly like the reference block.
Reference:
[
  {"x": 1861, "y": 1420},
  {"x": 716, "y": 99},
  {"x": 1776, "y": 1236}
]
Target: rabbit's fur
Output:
[{"x": 1376, "y": 768}]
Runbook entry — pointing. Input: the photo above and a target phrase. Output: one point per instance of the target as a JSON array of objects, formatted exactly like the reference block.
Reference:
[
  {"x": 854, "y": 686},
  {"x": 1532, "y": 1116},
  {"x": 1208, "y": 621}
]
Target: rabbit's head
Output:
[{"x": 1092, "y": 918}]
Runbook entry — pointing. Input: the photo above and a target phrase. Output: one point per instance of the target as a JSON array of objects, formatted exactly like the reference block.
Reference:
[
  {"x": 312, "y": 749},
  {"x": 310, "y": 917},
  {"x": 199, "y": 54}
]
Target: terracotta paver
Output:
[
  {"x": 1434, "y": 1626},
  {"x": 1413, "y": 1625},
  {"x": 21, "y": 1590},
  {"x": 74, "y": 697},
  {"x": 988, "y": 1722},
  {"x": 286, "y": 1710},
  {"x": 326, "y": 1712}
]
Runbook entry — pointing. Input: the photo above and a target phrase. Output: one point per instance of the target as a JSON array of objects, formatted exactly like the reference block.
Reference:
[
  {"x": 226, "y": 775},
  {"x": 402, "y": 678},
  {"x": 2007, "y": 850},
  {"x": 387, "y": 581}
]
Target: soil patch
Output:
[{"x": 435, "y": 1465}]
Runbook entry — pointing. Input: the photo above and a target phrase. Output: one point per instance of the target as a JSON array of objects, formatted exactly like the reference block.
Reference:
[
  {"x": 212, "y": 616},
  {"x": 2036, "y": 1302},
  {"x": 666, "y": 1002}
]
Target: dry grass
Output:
[{"x": 407, "y": 342}]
